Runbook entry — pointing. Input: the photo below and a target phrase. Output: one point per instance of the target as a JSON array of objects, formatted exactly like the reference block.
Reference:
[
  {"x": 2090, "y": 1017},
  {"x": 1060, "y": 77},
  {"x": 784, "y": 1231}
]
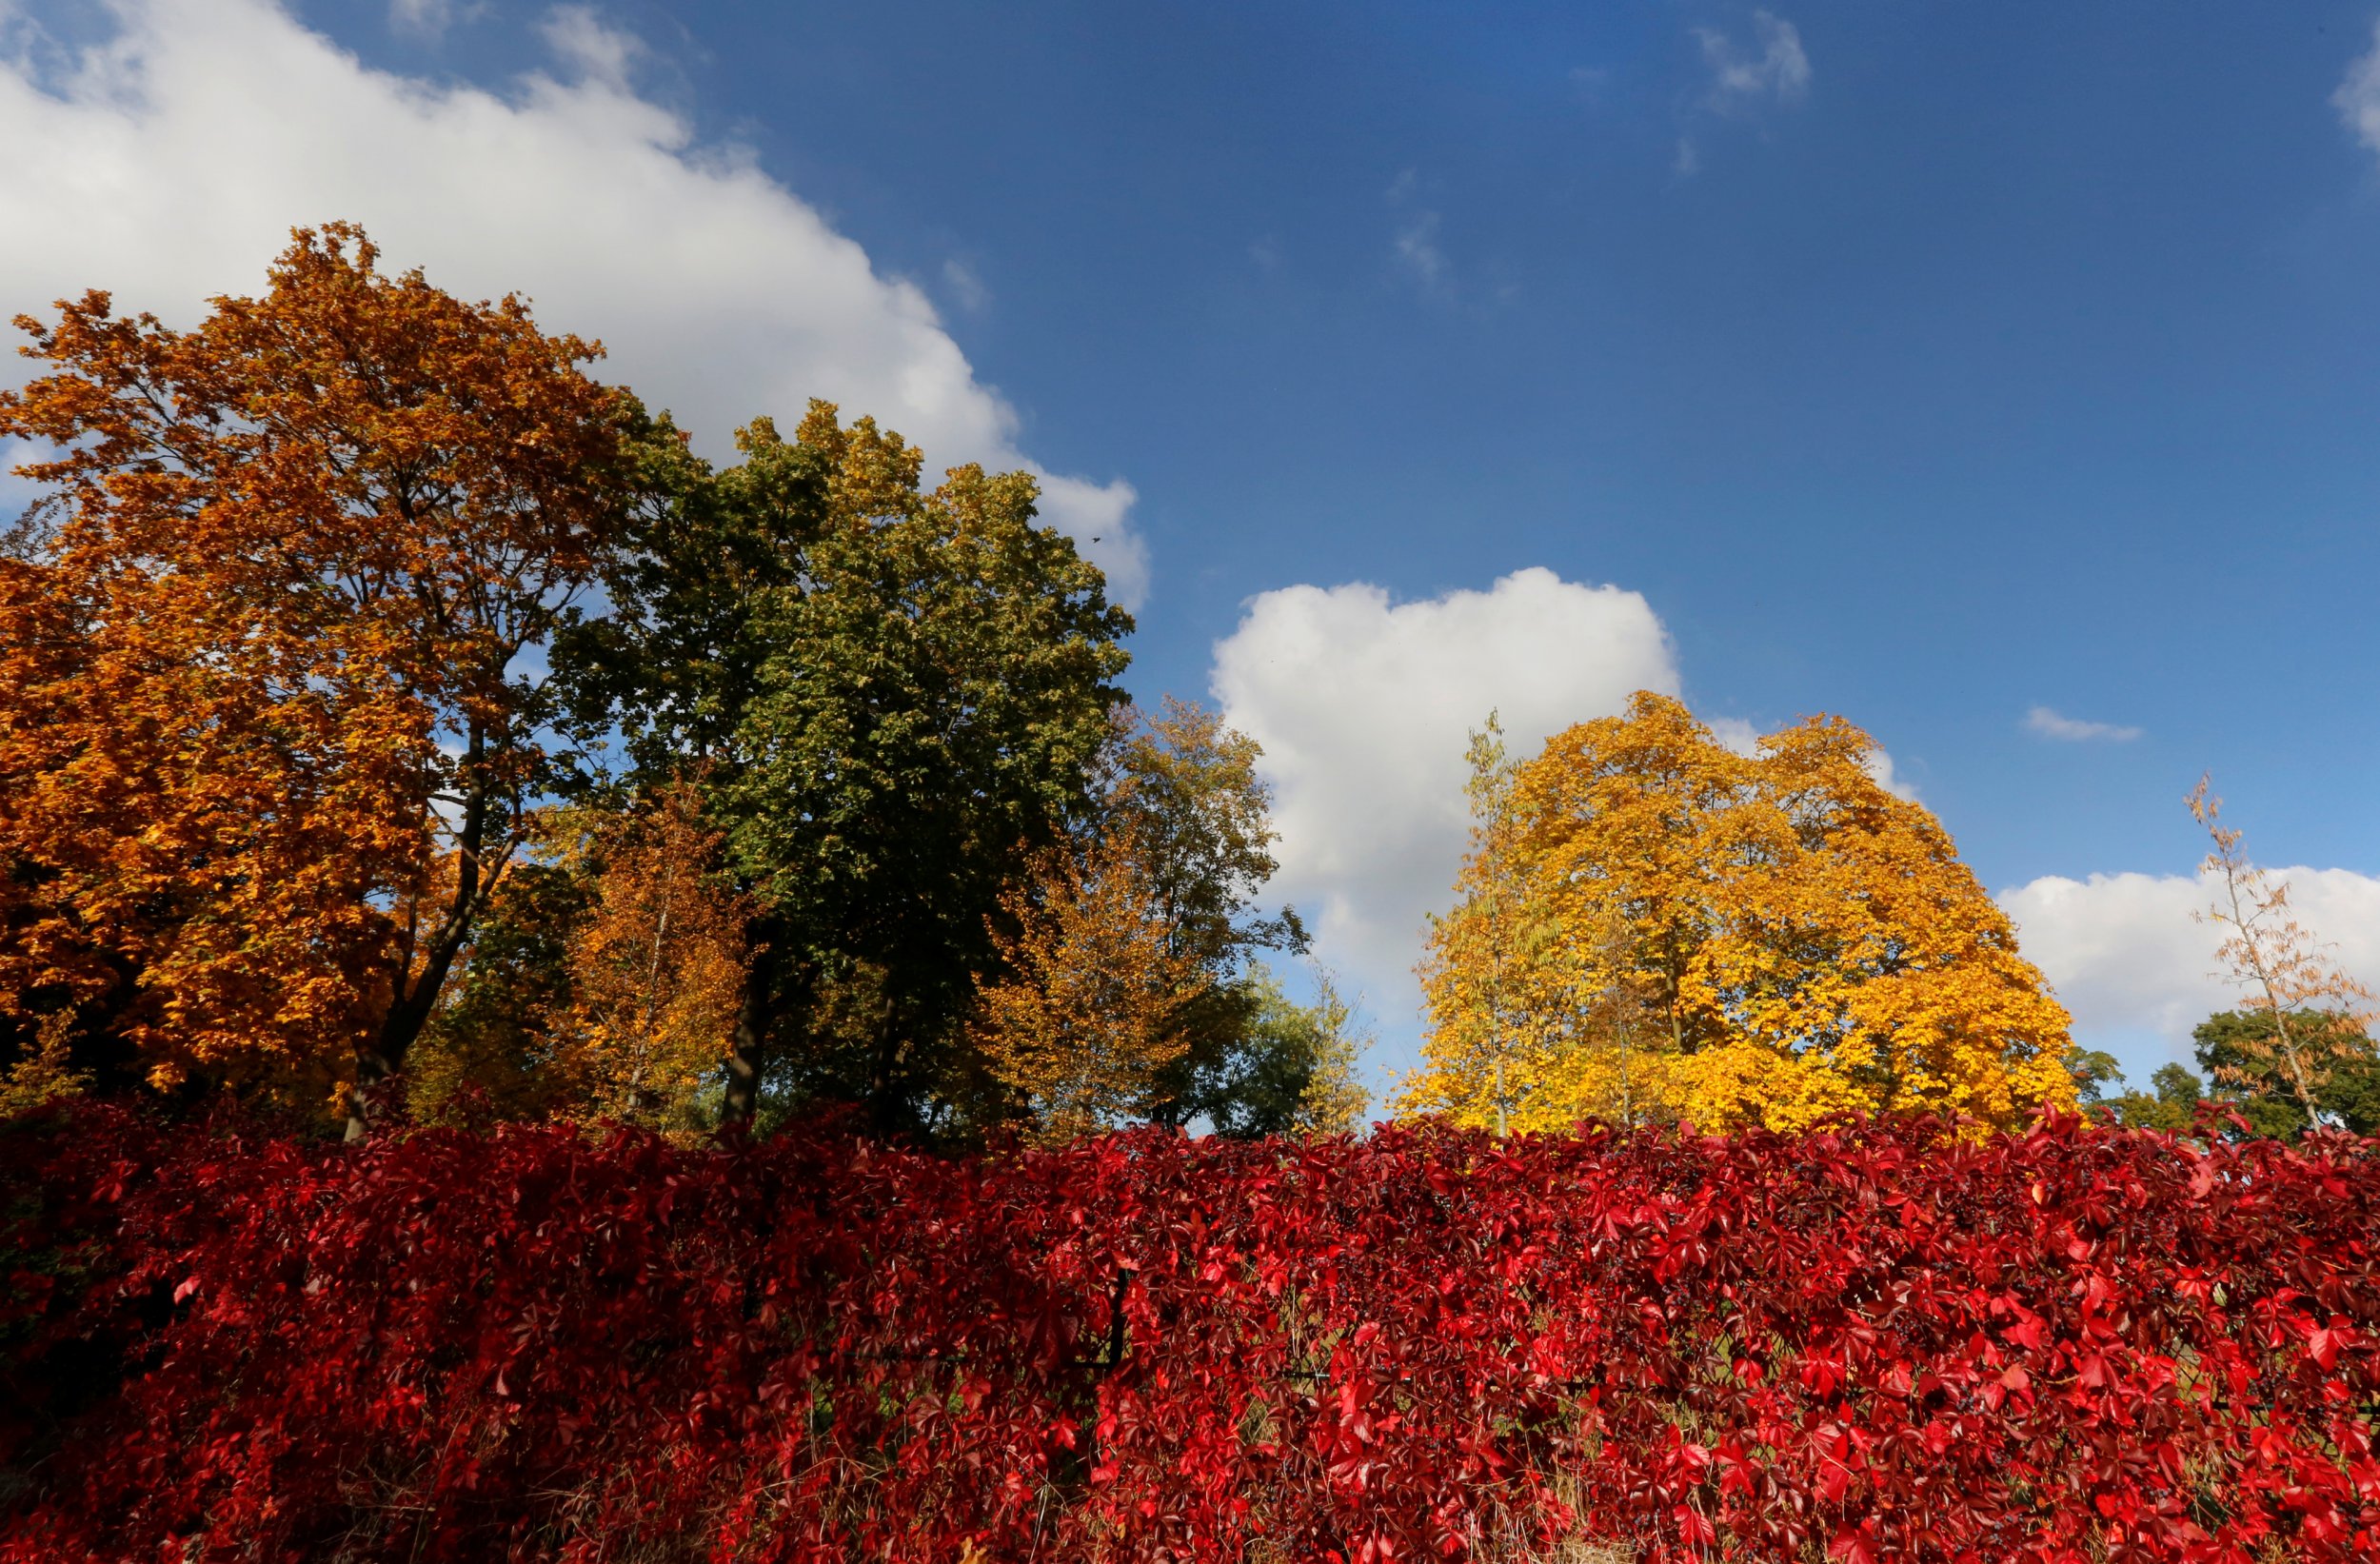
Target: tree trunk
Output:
[
  {"x": 747, "y": 1056},
  {"x": 378, "y": 1062},
  {"x": 888, "y": 1108}
]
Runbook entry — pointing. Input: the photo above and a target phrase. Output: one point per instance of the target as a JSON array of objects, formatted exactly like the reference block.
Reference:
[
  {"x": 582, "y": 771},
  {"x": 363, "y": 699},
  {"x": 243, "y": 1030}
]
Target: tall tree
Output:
[
  {"x": 1799, "y": 942},
  {"x": 895, "y": 695},
  {"x": 267, "y": 734}
]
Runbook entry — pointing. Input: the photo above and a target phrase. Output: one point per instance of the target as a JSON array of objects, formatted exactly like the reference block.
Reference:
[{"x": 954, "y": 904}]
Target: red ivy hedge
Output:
[{"x": 1874, "y": 1346}]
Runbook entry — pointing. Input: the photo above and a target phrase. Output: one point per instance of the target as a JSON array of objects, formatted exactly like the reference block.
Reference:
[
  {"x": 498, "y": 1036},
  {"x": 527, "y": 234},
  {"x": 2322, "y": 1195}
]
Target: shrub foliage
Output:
[{"x": 1878, "y": 1343}]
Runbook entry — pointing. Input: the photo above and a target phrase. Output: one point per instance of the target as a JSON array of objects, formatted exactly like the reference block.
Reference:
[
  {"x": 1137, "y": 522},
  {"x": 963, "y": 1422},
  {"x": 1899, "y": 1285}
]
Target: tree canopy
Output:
[
  {"x": 267, "y": 742},
  {"x": 1650, "y": 917},
  {"x": 384, "y": 701},
  {"x": 891, "y": 698}
]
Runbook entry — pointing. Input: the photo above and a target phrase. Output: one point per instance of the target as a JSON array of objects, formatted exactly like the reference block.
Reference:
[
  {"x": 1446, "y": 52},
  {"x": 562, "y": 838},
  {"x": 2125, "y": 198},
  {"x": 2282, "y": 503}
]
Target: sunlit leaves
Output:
[
  {"x": 1890, "y": 1343},
  {"x": 266, "y": 743},
  {"x": 1651, "y": 921},
  {"x": 1086, "y": 1017}
]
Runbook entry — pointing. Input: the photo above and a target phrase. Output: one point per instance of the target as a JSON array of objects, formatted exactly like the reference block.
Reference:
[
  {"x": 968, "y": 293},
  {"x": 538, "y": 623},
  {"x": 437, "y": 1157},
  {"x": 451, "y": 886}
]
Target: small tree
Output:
[
  {"x": 1182, "y": 787},
  {"x": 1292, "y": 1069},
  {"x": 1085, "y": 1021},
  {"x": 2288, "y": 978},
  {"x": 658, "y": 967},
  {"x": 1334, "y": 1098}
]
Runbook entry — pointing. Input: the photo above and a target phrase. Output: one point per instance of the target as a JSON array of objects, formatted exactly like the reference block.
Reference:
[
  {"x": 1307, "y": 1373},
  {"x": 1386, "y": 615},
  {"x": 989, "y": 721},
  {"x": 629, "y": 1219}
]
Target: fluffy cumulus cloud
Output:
[
  {"x": 1364, "y": 707},
  {"x": 168, "y": 163},
  {"x": 2138, "y": 970}
]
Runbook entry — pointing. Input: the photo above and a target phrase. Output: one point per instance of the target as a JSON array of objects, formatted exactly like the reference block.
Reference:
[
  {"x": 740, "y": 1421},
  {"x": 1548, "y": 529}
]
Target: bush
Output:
[{"x": 1880, "y": 1343}]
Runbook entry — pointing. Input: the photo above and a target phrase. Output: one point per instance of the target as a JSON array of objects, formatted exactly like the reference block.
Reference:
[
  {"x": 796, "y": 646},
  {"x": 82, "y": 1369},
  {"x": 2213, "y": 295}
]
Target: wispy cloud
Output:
[
  {"x": 1773, "y": 69},
  {"x": 1417, "y": 247},
  {"x": 593, "y": 48},
  {"x": 2072, "y": 730},
  {"x": 964, "y": 286},
  {"x": 426, "y": 18}
]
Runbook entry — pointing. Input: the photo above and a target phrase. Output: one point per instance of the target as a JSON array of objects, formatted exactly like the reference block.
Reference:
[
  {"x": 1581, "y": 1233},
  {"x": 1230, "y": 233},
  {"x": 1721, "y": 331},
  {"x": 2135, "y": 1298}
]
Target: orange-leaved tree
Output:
[
  {"x": 1772, "y": 938},
  {"x": 267, "y": 734},
  {"x": 1086, "y": 1017},
  {"x": 658, "y": 967}
]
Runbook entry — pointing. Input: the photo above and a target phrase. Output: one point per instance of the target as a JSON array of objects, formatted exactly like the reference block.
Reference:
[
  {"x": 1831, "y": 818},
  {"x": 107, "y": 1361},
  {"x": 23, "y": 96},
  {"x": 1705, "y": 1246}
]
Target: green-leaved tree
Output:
[{"x": 890, "y": 697}]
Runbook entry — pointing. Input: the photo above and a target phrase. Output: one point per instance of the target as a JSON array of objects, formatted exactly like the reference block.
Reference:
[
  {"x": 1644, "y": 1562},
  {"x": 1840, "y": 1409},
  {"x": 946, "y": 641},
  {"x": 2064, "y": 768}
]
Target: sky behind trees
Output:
[{"x": 2003, "y": 378}]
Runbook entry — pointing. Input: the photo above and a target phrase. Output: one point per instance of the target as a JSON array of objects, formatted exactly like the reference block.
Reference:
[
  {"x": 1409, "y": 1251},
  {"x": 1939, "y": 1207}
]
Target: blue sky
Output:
[{"x": 1923, "y": 363}]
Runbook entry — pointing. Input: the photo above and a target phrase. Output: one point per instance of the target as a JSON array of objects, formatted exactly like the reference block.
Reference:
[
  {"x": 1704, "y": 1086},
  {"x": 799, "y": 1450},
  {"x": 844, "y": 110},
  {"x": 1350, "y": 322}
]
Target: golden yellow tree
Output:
[
  {"x": 1086, "y": 1017},
  {"x": 1772, "y": 938},
  {"x": 1494, "y": 989},
  {"x": 2317, "y": 1015}
]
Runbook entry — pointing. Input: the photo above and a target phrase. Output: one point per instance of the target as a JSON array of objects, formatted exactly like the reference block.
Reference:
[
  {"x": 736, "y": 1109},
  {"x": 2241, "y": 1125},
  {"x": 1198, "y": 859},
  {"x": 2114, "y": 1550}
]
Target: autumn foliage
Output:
[
  {"x": 658, "y": 967},
  {"x": 263, "y": 752},
  {"x": 1089, "y": 1015},
  {"x": 394, "y": 719},
  {"x": 1869, "y": 1344},
  {"x": 1651, "y": 922}
]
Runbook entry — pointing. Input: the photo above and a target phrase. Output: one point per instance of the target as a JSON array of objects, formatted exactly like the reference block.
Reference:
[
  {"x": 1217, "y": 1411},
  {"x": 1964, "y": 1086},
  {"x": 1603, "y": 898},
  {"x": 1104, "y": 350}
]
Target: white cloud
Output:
[
  {"x": 2136, "y": 969},
  {"x": 1688, "y": 162},
  {"x": 1774, "y": 69},
  {"x": 1364, "y": 707},
  {"x": 2050, "y": 725},
  {"x": 596, "y": 51},
  {"x": 2358, "y": 96},
  {"x": 1734, "y": 733},
  {"x": 168, "y": 163}
]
